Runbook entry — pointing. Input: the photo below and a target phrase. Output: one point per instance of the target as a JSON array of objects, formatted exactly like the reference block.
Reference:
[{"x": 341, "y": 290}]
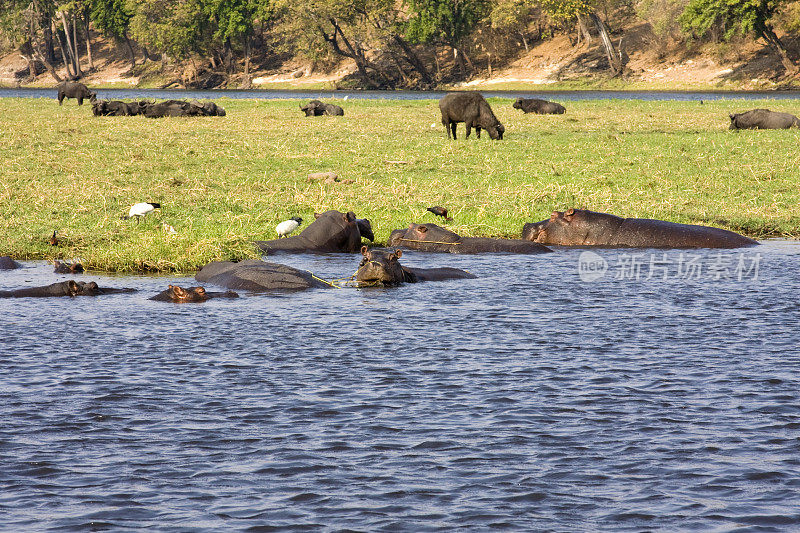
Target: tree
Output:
[
  {"x": 113, "y": 18},
  {"x": 446, "y": 22},
  {"x": 738, "y": 16},
  {"x": 565, "y": 10}
]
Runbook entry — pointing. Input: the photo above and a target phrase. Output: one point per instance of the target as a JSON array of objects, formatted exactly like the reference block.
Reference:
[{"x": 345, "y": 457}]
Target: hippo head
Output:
[
  {"x": 430, "y": 233},
  {"x": 518, "y": 104},
  {"x": 380, "y": 266},
  {"x": 192, "y": 294},
  {"x": 365, "y": 228},
  {"x": 67, "y": 268},
  {"x": 561, "y": 228}
]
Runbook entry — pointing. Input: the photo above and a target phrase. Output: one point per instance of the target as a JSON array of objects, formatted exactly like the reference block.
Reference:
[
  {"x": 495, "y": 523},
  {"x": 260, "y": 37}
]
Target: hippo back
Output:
[{"x": 257, "y": 275}]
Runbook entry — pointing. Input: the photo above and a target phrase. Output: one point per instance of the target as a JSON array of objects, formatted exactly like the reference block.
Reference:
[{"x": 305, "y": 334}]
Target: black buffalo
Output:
[
  {"x": 315, "y": 108},
  {"x": 473, "y": 110},
  {"x": 539, "y": 106},
  {"x": 763, "y": 119},
  {"x": 73, "y": 89}
]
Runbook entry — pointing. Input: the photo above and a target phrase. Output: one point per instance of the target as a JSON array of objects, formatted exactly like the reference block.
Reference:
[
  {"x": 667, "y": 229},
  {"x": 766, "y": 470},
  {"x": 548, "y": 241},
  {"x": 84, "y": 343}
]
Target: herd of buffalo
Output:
[{"x": 337, "y": 232}]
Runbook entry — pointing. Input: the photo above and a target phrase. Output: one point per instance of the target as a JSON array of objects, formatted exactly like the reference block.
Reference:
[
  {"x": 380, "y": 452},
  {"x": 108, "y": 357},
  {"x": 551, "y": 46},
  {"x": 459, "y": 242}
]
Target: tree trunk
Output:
[
  {"x": 614, "y": 57},
  {"x": 76, "y": 53},
  {"x": 88, "y": 39},
  {"x": 583, "y": 30},
  {"x": 130, "y": 49},
  {"x": 413, "y": 59},
  {"x": 247, "y": 56},
  {"x": 64, "y": 56},
  {"x": 777, "y": 46},
  {"x": 70, "y": 48}
]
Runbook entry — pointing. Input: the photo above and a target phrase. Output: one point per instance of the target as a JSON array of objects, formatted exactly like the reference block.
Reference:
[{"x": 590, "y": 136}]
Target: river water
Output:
[
  {"x": 663, "y": 395},
  {"x": 126, "y": 94}
]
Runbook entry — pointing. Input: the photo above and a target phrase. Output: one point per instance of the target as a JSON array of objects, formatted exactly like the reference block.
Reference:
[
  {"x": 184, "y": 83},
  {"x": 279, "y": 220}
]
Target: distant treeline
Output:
[{"x": 393, "y": 43}]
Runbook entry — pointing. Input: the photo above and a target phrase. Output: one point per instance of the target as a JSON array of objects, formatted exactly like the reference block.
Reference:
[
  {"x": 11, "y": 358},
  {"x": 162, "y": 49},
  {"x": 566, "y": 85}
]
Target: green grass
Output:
[{"x": 226, "y": 181}]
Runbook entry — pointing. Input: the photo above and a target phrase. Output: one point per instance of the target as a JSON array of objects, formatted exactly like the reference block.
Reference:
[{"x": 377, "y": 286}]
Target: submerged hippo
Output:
[
  {"x": 257, "y": 275},
  {"x": 763, "y": 119},
  {"x": 332, "y": 231},
  {"x": 63, "y": 288},
  {"x": 432, "y": 238},
  {"x": 192, "y": 294},
  {"x": 67, "y": 268},
  {"x": 578, "y": 227},
  {"x": 6, "y": 263},
  {"x": 381, "y": 266}
]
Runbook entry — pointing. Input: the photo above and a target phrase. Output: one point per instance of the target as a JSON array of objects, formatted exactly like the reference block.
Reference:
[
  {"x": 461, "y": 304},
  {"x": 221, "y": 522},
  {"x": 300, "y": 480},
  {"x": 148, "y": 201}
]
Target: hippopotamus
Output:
[
  {"x": 432, "y": 238},
  {"x": 193, "y": 294},
  {"x": 67, "y": 268},
  {"x": 315, "y": 108},
  {"x": 763, "y": 119},
  {"x": 383, "y": 267},
  {"x": 6, "y": 263},
  {"x": 63, "y": 288},
  {"x": 73, "y": 89},
  {"x": 579, "y": 227},
  {"x": 332, "y": 231},
  {"x": 257, "y": 275},
  {"x": 473, "y": 110},
  {"x": 539, "y": 106}
]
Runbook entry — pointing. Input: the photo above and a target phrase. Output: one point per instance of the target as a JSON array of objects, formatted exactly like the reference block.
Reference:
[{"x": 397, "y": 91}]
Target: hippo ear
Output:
[
  {"x": 364, "y": 250},
  {"x": 554, "y": 215},
  {"x": 398, "y": 253},
  {"x": 317, "y": 215},
  {"x": 200, "y": 290},
  {"x": 180, "y": 292},
  {"x": 569, "y": 214},
  {"x": 422, "y": 229},
  {"x": 73, "y": 287}
]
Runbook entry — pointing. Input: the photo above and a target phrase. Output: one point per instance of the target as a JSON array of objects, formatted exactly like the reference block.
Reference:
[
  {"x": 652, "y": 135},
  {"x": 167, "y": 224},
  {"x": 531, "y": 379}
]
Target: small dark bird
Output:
[
  {"x": 54, "y": 240},
  {"x": 440, "y": 211}
]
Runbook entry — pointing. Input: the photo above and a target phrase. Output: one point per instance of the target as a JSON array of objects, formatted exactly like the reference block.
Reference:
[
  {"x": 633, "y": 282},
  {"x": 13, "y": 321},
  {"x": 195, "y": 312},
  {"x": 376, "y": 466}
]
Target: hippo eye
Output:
[{"x": 422, "y": 229}]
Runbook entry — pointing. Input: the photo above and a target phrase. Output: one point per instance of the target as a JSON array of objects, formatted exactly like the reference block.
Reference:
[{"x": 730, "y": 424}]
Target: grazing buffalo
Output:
[
  {"x": 432, "y": 238},
  {"x": 332, "y": 231},
  {"x": 73, "y": 89},
  {"x": 257, "y": 275},
  {"x": 383, "y": 267},
  {"x": 539, "y": 107},
  {"x": 763, "y": 119},
  {"x": 6, "y": 263},
  {"x": 315, "y": 108},
  {"x": 473, "y": 110},
  {"x": 578, "y": 227},
  {"x": 192, "y": 294},
  {"x": 64, "y": 288}
]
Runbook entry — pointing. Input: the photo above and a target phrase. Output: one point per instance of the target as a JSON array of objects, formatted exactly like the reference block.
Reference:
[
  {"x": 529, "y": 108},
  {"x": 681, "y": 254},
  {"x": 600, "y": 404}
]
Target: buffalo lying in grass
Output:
[
  {"x": 763, "y": 119},
  {"x": 539, "y": 106},
  {"x": 316, "y": 108}
]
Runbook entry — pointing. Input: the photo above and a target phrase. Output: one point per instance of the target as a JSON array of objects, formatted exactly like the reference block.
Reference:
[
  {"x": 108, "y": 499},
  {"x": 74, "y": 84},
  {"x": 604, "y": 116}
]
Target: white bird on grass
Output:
[
  {"x": 141, "y": 209},
  {"x": 285, "y": 228},
  {"x": 169, "y": 229}
]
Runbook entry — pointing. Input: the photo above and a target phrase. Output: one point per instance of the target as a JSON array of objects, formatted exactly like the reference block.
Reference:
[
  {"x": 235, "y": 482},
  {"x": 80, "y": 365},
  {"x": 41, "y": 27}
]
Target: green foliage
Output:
[
  {"x": 171, "y": 27},
  {"x": 447, "y": 21},
  {"x": 733, "y": 16},
  {"x": 566, "y": 10},
  {"x": 111, "y": 17},
  {"x": 662, "y": 15}
]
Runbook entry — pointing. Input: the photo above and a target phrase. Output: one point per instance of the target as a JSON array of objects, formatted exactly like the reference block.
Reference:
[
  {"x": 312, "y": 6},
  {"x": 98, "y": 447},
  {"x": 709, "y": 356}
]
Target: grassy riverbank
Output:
[{"x": 225, "y": 181}]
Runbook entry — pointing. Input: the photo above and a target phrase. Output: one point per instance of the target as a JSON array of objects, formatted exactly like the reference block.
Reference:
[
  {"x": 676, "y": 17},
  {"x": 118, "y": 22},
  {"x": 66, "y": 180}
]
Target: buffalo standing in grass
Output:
[
  {"x": 539, "y": 106},
  {"x": 763, "y": 119},
  {"x": 73, "y": 89},
  {"x": 473, "y": 110}
]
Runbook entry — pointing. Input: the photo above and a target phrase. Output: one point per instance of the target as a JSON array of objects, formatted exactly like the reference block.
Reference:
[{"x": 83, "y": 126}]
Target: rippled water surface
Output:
[
  {"x": 526, "y": 399},
  {"x": 412, "y": 95}
]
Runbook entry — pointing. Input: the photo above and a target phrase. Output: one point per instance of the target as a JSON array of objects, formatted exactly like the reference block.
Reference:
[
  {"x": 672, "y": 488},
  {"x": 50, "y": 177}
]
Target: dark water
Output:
[
  {"x": 413, "y": 95},
  {"x": 525, "y": 399}
]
